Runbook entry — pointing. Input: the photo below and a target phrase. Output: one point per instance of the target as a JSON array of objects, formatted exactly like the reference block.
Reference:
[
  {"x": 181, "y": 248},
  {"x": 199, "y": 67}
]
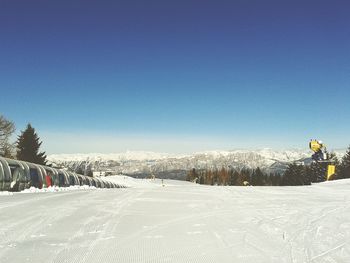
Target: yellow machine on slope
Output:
[{"x": 321, "y": 156}]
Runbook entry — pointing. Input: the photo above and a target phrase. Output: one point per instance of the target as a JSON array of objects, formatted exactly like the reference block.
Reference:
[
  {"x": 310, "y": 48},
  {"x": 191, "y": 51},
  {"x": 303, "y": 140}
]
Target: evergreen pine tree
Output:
[
  {"x": 215, "y": 177},
  {"x": 254, "y": 178},
  {"x": 344, "y": 167},
  {"x": 334, "y": 157},
  {"x": 259, "y": 177},
  {"x": 28, "y": 144},
  {"x": 275, "y": 179},
  {"x": 244, "y": 176},
  {"x": 233, "y": 177},
  {"x": 294, "y": 175},
  {"x": 316, "y": 172}
]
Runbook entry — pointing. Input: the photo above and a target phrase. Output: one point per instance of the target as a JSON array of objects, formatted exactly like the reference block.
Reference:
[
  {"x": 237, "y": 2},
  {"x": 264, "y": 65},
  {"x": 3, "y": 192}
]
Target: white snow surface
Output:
[
  {"x": 53, "y": 189},
  {"x": 175, "y": 221}
]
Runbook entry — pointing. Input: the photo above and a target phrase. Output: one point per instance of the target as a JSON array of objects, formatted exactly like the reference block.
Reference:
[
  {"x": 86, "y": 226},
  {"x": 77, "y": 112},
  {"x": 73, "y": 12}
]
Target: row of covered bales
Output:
[{"x": 16, "y": 175}]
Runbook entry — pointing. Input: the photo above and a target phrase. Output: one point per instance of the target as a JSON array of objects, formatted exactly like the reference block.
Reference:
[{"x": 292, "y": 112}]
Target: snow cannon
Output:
[
  {"x": 321, "y": 156},
  {"x": 330, "y": 171},
  {"x": 317, "y": 146}
]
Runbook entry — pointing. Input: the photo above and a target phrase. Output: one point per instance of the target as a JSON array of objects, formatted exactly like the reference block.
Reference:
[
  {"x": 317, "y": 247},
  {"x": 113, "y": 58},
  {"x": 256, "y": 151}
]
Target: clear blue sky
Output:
[{"x": 176, "y": 76}]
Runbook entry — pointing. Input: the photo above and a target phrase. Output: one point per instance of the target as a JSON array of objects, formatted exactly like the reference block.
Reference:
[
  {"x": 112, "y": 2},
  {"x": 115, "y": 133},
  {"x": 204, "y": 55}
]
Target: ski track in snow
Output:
[{"x": 181, "y": 222}]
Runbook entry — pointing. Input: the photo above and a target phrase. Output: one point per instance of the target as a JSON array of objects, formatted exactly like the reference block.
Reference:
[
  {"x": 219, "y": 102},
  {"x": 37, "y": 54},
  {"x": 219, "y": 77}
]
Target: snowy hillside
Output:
[
  {"x": 178, "y": 222},
  {"x": 176, "y": 166}
]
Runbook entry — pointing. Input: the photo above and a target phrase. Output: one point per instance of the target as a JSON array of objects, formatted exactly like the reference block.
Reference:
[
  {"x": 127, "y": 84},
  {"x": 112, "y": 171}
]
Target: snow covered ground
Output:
[{"x": 178, "y": 222}]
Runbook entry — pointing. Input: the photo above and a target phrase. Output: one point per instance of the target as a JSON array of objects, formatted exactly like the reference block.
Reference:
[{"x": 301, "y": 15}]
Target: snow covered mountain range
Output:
[{"x": 163, "y": 165}]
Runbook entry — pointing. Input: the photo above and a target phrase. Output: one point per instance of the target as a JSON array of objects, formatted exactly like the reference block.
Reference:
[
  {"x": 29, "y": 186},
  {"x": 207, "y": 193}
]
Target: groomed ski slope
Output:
[{"x": 178, "y": 222}]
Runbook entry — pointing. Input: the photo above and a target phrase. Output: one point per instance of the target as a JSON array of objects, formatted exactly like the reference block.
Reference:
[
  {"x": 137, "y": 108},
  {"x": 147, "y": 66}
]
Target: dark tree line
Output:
[
  {"x": 229, "y": 176},
  {"x": 295, "y": 174},
  {"x": 344, "y": 166}
]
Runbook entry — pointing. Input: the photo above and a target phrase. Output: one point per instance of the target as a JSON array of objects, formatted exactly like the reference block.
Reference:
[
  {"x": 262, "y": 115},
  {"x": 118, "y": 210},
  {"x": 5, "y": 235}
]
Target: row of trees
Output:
[
  {"x": 27, "y": 146},
  {"x": 344, "y": 166},
  {"x": 295, "y": 174},
  {"x": 316, "y": 172},
  {"x": 232, "y": 177}
]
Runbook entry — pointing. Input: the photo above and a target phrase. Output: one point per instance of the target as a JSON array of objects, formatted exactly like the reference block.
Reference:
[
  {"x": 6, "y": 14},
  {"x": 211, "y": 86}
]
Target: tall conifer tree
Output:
[{"x": 28, "y": 144}]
